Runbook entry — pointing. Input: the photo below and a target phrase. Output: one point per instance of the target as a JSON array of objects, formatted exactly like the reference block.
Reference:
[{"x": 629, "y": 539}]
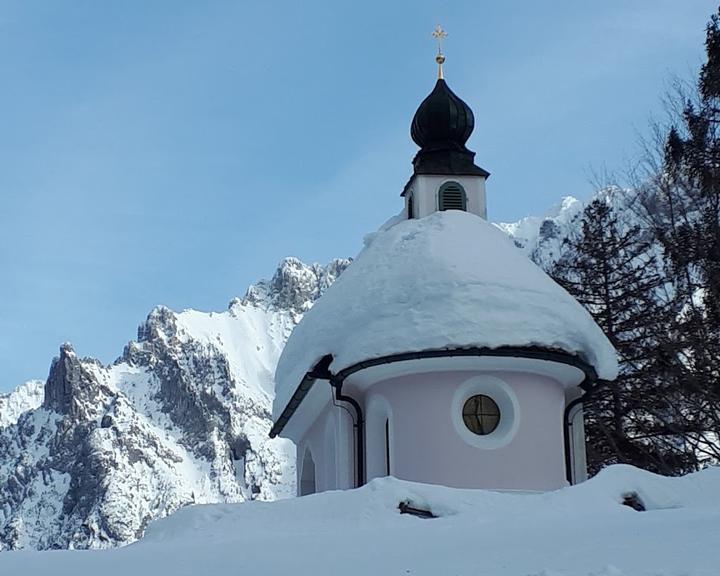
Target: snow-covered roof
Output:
[{"x": 449, "y": 280}]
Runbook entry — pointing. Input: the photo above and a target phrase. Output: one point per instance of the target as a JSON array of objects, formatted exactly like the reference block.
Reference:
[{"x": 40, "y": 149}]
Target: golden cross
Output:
[{"x": 439, "y": 34}]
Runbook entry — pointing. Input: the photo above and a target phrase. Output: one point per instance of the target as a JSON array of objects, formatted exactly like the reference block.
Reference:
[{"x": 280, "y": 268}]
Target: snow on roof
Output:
[{"x": 450, "y": 279}]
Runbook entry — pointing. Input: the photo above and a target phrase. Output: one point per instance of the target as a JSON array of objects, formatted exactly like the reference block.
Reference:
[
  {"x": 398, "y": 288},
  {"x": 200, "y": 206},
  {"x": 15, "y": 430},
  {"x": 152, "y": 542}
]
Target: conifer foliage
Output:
[
  {"x": 682, "y": 203},
  {"x": 610, "y": 267},
  {"x": 655, "y": 291}
]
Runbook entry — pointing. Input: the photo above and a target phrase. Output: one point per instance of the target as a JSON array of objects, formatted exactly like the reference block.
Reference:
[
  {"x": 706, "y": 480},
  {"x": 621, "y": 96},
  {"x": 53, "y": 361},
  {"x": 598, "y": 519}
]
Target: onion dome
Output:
[
  {"x": 441, "y": 127},
  {"x": 443, "y": 120}
]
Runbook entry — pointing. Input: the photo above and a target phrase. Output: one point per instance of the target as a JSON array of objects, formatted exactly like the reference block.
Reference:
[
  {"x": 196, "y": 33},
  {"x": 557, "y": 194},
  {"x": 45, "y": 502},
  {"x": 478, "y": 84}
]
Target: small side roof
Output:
[{"x": 450, "y": 279}]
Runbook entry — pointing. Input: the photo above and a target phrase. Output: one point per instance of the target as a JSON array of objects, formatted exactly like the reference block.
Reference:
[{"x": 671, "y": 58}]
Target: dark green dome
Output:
[
  {"x": 442, "y": 120},
  {"x": 441, "y": 126}
]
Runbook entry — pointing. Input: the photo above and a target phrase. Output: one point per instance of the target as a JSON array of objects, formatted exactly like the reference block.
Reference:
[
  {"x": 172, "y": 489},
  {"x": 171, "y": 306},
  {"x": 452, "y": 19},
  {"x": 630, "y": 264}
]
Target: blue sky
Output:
[{"x": 167, "y": 152}]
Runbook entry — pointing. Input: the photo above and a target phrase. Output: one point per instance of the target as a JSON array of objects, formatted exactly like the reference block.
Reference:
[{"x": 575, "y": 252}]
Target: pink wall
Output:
[{"x": 426, "y": 447}]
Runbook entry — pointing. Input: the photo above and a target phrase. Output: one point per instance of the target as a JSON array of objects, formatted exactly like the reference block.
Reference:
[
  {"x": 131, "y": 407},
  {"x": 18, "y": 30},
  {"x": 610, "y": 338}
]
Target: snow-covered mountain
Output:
[
  {"x": 91, "y": 456},
  {"x": 181, "y": 417},
  {"x": 541, "y": 237},
  {"x": 25, "y": 397}
]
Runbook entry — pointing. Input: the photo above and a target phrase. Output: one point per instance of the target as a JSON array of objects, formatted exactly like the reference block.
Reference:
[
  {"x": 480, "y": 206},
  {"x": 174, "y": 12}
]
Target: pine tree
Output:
[
  {"x": 611, "y": 269},
  {"x": 683, "y": 206}
]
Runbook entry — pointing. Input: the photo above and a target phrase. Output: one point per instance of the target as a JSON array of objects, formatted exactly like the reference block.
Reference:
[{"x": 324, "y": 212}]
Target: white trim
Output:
[
  {"x": 377, "y": 411},
  {"x": 569, "y": 376},
  {"x": 329, "y": 480},
  {"x": 578, "y": 457},
  {"x": 507, "y": 402}
]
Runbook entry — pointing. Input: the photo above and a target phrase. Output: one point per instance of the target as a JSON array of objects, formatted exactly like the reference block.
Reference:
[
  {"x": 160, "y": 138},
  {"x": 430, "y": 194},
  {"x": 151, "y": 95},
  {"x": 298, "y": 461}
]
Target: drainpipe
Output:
[
  {"x": 337, "y": 383},
  {"x": 588, "y": 386},
  {"x": 321, "y": 371},
  {"x": 566, "y": 429}
]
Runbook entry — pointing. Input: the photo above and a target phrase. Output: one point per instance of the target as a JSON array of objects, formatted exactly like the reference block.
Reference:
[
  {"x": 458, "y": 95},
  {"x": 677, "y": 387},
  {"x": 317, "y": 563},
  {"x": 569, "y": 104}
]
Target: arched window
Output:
[
  {"x": 452, "y": 197},
  {"x": 411, "y": 207},
  {"x": 307, "y": 476}
]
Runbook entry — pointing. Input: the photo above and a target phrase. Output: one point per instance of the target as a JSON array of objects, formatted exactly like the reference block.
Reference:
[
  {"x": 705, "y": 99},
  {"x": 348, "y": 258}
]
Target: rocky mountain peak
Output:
[
  {"x": 70, "y": 386},
  {"x": 541, "y": 237},
  {"x": 159, "y": 324},
  {"x": 294, "y": 285}
]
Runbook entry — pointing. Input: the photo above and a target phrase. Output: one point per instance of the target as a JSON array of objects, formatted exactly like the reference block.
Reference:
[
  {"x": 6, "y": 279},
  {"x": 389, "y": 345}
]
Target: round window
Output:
[{"x": 481, "y": 414}]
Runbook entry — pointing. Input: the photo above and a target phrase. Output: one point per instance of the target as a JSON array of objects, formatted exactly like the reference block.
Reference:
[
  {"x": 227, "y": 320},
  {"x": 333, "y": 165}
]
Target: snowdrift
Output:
[{"x": 579, "y": 531}]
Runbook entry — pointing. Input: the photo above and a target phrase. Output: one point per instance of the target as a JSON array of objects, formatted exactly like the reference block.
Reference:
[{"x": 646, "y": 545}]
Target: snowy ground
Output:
[{"x": 579, "y": 531}]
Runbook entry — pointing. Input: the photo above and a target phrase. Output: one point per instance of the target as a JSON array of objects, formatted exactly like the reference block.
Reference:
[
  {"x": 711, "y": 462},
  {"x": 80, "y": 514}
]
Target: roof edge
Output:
[
  {"x": 321, "y": 369},
  {"x": 479, "y": 172}
]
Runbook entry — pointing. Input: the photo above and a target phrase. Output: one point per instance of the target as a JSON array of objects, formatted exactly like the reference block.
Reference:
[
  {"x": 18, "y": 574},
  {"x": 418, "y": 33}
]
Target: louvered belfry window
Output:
[{"x": 452, "y": 197}]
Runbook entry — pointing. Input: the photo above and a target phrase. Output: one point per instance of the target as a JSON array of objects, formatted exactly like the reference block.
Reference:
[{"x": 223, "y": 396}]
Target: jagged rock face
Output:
[
  {"x": 181, "y": 417},
  {"x": 71, "y": 387},
  {"x": 295, "y": 286}
]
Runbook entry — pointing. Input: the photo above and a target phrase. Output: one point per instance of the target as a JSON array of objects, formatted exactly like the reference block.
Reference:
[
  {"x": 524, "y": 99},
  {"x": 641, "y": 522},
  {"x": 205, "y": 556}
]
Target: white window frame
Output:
[{"x": 508, "y": 405}]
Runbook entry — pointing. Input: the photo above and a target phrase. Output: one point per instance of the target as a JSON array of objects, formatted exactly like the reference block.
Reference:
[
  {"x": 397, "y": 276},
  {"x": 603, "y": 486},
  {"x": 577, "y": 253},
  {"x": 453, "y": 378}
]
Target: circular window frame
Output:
[{"x": 499, "y": 391}]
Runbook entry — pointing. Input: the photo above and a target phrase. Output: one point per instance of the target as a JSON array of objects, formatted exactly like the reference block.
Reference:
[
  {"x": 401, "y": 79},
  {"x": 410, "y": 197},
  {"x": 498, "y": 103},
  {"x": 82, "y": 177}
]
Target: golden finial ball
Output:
[{"x": 440, "y": 58}]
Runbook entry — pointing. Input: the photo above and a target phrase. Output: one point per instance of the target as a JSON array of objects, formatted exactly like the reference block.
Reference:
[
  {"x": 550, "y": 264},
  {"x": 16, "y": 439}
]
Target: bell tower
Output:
[{"x": 445, "y": 176}]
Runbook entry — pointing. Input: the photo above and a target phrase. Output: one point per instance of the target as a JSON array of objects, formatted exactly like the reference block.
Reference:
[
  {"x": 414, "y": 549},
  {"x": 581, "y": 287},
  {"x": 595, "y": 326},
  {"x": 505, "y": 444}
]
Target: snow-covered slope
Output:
[
  {"x": 25, "y": 397},
  {"x": 578, "y": 531},
  {"x": 181, "y": 417}
]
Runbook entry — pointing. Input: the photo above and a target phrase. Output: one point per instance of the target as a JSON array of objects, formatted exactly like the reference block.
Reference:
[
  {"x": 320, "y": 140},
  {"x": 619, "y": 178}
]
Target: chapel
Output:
[{"x": 442, "y": 354}]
